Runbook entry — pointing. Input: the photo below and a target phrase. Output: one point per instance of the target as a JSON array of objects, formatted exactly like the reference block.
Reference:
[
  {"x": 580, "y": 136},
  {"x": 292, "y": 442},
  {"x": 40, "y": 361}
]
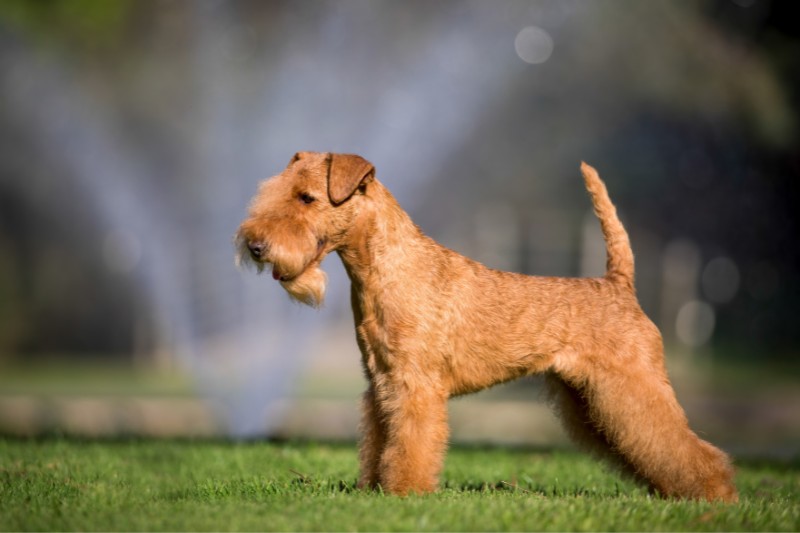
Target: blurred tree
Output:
[
  {"x": 92, "y": 27},
  {"x": 688, "y": 109}
]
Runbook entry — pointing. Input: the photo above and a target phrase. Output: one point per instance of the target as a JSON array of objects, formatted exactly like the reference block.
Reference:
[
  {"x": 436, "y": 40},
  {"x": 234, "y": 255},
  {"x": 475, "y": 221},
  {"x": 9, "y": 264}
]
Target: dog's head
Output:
[{"x": 301, "y": 215}]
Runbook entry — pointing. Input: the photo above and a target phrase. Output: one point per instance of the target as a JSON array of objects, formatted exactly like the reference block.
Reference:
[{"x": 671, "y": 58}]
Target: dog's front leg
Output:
[
  {"x": 373, "y": 440},
  {"x": 416, "y": 436}
]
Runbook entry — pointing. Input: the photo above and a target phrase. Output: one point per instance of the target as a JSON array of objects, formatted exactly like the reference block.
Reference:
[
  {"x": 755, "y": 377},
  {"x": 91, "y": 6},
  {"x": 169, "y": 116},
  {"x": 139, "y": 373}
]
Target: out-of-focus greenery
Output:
[
  {"x": 112, "y": 377},
  {"x": 94, "y": 25},
  {"x": 115, "y": 376}
]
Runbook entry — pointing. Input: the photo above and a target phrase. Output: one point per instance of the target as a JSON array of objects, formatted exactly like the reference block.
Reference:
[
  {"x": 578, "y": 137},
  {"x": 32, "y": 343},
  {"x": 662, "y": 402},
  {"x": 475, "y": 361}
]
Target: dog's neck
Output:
[{"x": 379, "y": 238}]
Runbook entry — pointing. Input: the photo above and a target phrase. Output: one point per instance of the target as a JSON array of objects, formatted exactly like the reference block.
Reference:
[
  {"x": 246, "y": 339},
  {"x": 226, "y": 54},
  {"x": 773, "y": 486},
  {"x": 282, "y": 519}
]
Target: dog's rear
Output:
[{"x": 619, "y": 404}]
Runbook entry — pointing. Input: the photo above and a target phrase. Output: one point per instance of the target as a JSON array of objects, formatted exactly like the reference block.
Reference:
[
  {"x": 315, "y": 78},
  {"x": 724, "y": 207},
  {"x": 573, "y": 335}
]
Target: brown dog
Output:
[{"x": 432, "y": 324}]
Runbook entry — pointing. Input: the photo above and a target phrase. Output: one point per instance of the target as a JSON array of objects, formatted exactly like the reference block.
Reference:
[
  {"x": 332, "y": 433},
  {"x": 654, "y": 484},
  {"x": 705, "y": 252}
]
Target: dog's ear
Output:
[
  {"x": 346, "y": 173},
  {"x": 295, "y": 157}
]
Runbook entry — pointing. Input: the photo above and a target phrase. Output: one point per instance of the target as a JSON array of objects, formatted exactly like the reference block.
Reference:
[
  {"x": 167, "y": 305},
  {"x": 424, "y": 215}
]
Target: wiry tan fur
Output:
[{"x": 432, "y": 324}]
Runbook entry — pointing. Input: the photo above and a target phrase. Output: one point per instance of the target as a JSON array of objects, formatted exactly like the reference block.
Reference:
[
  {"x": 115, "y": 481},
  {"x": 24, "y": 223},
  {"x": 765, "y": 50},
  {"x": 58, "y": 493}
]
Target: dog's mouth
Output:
[{"x": 277, "y": 275}]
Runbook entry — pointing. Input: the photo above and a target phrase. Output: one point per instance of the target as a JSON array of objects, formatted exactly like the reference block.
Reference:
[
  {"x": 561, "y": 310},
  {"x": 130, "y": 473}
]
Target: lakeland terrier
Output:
[{"x": 432, "y": 324}]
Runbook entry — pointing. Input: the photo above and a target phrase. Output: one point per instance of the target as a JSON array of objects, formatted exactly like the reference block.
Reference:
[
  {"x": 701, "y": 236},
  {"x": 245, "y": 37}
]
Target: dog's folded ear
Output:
[
  {"x": 297, "y": 157},
  {"x": 345, "y": 174}
]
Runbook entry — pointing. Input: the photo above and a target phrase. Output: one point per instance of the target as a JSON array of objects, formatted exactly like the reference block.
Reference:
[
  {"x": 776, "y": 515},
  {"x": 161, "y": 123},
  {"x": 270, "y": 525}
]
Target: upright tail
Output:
[{"x": 619, "y": 263}]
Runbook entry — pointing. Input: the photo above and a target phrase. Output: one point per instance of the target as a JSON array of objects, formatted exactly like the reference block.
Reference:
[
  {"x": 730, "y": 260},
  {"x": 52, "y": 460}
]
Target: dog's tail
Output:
[{"x": 619, "y": 263}]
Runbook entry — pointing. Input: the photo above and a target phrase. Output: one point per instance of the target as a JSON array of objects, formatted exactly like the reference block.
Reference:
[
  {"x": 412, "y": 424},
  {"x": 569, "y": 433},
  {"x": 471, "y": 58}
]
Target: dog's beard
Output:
[{"x": 309, "y": 287}]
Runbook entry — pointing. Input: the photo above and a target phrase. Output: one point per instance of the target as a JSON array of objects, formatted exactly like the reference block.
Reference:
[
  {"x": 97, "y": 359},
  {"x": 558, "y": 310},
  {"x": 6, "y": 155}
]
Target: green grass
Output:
[{"x": 111, "y": 485}]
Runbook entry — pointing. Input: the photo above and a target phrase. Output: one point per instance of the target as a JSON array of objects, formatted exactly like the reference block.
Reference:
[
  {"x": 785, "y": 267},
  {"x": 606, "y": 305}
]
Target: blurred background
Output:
[{"x": 134, "y": 132}]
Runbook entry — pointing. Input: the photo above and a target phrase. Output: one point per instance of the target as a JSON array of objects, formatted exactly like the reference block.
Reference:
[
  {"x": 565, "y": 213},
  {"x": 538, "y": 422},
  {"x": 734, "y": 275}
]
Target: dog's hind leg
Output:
[
  {"x": 572, "y": 408},
  {"x": 629, "y": 404}
]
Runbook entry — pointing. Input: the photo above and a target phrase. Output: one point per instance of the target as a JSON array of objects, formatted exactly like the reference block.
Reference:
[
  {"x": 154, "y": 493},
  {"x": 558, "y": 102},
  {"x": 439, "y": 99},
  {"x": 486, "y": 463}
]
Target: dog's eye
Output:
[{"x": 306, "y": 198}]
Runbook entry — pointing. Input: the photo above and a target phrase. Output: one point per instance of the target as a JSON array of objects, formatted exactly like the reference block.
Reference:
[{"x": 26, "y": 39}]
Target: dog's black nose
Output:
[{"x": 256, "y": 248}]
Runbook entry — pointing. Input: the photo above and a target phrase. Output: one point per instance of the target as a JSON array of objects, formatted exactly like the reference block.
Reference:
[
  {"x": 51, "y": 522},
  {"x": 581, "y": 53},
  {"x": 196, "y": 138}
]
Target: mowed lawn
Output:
[{"x": 159, "y": 485}]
